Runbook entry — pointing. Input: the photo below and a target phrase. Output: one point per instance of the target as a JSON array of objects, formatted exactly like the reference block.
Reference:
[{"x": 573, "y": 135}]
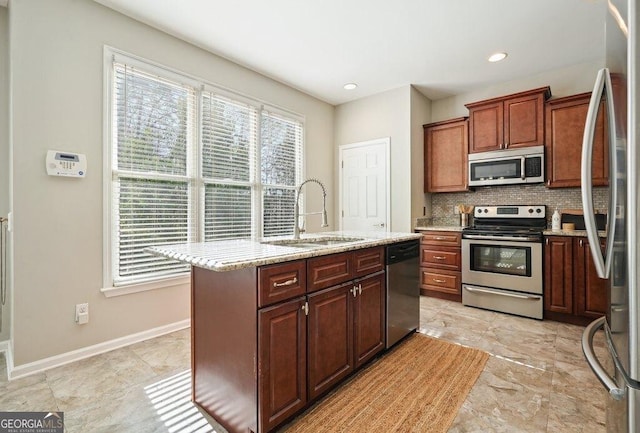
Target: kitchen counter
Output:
[
  {"x": 576, "y": 233},
  {"x": 244, "y": 253},
  {"x": 267, "y": 341},
  {"x": 438, "y": 228}
]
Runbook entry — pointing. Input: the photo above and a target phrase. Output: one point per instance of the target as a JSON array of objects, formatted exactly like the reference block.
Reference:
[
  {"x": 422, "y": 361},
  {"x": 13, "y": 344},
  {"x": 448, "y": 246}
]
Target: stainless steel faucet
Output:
[{"x": 296, "y": 210}]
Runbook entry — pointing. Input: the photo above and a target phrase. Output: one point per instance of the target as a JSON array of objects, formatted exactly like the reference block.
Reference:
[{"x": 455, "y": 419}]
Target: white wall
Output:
[
  {"x": 386, "y": 114},
  {"x": 420, "y": 114},
  {"x": 4, "y": 148},
  {"x": 56, "y": 62},
  {"x": 563, "y": 82}
]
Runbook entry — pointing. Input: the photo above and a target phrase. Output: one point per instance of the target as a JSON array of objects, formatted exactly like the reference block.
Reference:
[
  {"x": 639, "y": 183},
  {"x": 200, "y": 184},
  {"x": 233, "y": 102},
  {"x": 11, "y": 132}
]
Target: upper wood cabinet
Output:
[
  {"x": 445, "y": 155},
  {"x": 565, "y": 120},
  {"x": 509, "y": 121}
]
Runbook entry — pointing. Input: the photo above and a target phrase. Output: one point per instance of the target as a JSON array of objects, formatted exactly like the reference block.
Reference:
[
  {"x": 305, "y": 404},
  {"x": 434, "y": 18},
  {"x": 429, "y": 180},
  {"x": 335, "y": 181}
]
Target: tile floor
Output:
[{"x": 535, "y": 381}]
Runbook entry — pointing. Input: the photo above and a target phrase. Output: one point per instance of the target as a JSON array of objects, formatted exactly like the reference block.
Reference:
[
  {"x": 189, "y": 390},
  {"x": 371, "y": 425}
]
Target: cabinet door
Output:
[
  {"x": 558, "y": 262},
  {"x": 441, "y": 280},
  {"x": 565, "y": 121},
  {"x": 282, "y": 363},
  {"x": 368, "y": 317},
  {"x": 486, "y": 127},
  {"x": 330, "y": 338},
  {"x": 524, "y": 121},
  {"x": 445, "y": 156},
  {"x": 281, "y": 281},
  {"x": 327, "y": 271},
  {"x": 445, "y": 239},
  {"x": 368, "y": 261},
  {"x": 591, "y": 291},
  {"x": 440, "y": 257}
]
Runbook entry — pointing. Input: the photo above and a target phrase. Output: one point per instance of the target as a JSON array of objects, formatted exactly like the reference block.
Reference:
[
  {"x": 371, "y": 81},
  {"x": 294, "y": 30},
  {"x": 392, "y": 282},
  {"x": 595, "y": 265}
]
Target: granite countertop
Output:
[
  {"x": 439, "y": 228},
  {"x": 546, "y": 232},
  {"x": 577, "y": 233},
  {"x": 245, "y": 253}
]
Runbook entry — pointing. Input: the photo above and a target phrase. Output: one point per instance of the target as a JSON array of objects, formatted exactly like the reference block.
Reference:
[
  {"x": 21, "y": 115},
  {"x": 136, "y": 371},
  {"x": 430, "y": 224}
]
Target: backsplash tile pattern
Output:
[{"x": 442, "y": 204}]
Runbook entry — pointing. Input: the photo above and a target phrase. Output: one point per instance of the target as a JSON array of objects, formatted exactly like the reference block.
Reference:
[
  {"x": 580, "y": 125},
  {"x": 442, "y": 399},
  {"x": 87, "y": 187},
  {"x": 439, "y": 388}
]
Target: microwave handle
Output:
[
  {"x": 602, "y": 85},
  {"x": 522, "y": 167}
]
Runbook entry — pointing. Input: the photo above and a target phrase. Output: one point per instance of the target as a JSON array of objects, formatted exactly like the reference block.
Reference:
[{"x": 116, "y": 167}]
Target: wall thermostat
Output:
[{"x": 66, "y": 164}]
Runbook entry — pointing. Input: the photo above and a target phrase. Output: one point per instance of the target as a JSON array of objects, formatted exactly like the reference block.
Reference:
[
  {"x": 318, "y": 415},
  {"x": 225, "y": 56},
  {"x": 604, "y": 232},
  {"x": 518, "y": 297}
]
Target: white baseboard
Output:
[{"x": 15, "y": 372}]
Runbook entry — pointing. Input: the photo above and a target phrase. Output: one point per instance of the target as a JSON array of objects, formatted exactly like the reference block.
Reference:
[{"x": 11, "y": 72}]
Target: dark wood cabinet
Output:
[
  {"x": 440, "y": 264},
  {"x": 445, "y": 156},
  {"x": 270, "y": 340},
  {"x": 558, "y": 285},
  {"x": 346, "y": 329},
  {"x": 282, "y": 332},
  {"x": 510, "y": 121},
  {"x": 280, "y": 282},
  {"x": 591, "y": 290},
  {"x": 565, "y": 122},
  {"x": 573, "y": 291},
  {"x": 330, "y": 338},
  {"x": 369, "y": 318}
]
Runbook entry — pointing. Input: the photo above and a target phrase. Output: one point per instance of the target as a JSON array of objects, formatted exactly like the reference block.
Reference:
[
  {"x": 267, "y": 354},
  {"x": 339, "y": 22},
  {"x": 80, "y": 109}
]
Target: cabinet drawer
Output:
[
  {"x": 327, "y": 271},
  {"x": 280, "y": 282},
  {"x": 368, "y": 261},
  {"x": 447, "y": 239},
  {"x": 440, "y": 280},
  {"x": 440, "y": 257}
]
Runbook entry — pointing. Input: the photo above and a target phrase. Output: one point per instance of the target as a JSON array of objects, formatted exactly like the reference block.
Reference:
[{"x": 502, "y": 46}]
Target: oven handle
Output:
[
  {"x": 502, "y": 238},
  {"x": 490, "y": 292}
]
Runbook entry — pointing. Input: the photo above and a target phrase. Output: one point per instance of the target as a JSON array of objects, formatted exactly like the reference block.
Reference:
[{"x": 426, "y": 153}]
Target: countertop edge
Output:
[{"x": 274, "y": 254}]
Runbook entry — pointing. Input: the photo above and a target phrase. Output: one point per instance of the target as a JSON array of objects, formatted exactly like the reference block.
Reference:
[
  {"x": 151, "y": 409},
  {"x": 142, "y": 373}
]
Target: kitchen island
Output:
[{"x": 277, "y": 324}]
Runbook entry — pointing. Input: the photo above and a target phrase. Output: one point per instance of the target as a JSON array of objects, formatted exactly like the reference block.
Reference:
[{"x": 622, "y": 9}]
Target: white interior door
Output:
[{"x": 364, "y": 186}]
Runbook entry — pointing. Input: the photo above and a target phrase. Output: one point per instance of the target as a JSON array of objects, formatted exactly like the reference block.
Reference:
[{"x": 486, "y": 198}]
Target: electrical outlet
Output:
[
  {"x": 82, "y": 313},
  {"x": 456, "y": 210}
]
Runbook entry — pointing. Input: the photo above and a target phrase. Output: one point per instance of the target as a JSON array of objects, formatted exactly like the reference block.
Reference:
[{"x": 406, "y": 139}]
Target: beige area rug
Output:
[{"x": 417, "y": 387}]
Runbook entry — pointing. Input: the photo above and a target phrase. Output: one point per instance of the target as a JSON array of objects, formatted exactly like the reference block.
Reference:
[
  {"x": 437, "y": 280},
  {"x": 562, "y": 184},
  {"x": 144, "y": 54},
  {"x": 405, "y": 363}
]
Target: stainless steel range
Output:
[{"x": 502, "y": 260}]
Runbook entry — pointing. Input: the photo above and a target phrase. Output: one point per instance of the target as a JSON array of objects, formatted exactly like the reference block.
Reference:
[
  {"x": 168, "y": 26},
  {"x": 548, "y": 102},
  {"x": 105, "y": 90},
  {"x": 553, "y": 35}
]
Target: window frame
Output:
[{"x": 196, "y": 181}]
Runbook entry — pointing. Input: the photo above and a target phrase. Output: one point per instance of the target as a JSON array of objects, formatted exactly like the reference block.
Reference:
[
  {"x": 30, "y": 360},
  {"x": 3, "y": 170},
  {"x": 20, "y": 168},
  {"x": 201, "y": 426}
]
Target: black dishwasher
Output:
[{"x": 403, "y": 290}]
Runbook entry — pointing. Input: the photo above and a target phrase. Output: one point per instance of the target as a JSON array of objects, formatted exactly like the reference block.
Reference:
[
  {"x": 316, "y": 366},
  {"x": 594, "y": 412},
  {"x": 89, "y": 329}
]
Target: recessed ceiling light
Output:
[
  {"x": 496, "y": 57},
  {"x": 350, "y": 86}
]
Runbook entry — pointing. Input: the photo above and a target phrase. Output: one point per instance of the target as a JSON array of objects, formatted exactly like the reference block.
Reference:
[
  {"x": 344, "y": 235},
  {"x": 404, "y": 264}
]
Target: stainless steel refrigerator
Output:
[{"x": 616, "y": 91}]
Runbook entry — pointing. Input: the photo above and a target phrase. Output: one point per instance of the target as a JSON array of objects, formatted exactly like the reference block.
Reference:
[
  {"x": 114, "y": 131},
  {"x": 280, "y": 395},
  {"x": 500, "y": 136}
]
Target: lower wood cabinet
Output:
[
  {"x": 573, "y": 292},
  {"x": 330, "y": 338},
  {"x": 308, "y": 345},
  {"x": 440, "y": 264},
  {"x": 346, "y": 329},
  {"x": 282, "y": 332}
]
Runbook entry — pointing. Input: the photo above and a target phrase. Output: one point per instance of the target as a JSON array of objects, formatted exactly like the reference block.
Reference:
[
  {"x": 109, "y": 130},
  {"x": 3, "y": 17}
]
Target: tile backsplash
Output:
[{"x": 442, "y": 204}]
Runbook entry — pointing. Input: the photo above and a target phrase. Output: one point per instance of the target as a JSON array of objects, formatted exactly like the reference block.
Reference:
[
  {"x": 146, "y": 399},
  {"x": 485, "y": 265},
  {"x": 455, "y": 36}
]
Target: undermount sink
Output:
[{"x": 312, "y": 242}]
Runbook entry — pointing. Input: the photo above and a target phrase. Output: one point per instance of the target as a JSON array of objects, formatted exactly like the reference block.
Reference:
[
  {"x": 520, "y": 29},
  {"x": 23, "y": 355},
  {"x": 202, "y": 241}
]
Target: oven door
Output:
[{"x": 510, "y": 265}]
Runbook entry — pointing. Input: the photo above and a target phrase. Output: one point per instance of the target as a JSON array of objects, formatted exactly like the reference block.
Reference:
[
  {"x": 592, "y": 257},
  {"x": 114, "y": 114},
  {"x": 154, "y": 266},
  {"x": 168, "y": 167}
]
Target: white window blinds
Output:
[
  {"x": 190, "y": 163},
  {"x": 229, "y": 134},
  {"x": 154, "y": 121},
  {"x": 281, "y": 169}
]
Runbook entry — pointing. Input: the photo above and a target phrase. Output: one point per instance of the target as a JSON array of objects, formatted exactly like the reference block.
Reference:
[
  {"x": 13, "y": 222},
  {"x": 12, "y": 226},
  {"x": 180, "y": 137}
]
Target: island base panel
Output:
[{"x": 224, "y": 335}]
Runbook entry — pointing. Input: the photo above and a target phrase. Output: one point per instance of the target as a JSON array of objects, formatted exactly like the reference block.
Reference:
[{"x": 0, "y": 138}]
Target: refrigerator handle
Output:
[
  {"x": 587, "y": 348},
  {"x": 602, "y": 85}
]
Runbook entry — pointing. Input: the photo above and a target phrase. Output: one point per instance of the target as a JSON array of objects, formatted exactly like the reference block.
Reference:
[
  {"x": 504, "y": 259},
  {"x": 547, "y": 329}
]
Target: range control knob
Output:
[
  {"x": 530, "y": 210},
  {"x": 538, "y": 210}
]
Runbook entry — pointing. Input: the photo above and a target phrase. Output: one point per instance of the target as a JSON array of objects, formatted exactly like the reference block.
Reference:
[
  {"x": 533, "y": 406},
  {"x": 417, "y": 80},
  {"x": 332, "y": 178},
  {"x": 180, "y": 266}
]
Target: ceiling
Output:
[{"x": 440, "y": 47}]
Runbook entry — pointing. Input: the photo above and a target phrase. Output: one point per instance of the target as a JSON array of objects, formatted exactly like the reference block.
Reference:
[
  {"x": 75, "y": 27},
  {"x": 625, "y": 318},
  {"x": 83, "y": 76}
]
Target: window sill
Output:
[{"x": 165, "y": 283}]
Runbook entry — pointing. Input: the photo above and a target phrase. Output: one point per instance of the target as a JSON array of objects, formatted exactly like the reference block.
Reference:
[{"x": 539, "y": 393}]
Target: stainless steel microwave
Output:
[{"x": 507, "y": 167}]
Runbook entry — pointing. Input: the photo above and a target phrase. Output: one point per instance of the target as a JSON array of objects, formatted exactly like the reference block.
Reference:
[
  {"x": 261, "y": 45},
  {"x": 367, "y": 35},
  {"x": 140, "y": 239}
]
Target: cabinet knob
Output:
[
  {"x": 439, "y": 257},
  {"x": 436, "y": 280},
  {"x": 581, "y": 243}
]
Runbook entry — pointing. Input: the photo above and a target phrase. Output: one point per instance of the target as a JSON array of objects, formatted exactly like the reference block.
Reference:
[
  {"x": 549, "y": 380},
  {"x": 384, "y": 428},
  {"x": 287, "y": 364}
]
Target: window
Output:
[{"x": 188, "y": 163}]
